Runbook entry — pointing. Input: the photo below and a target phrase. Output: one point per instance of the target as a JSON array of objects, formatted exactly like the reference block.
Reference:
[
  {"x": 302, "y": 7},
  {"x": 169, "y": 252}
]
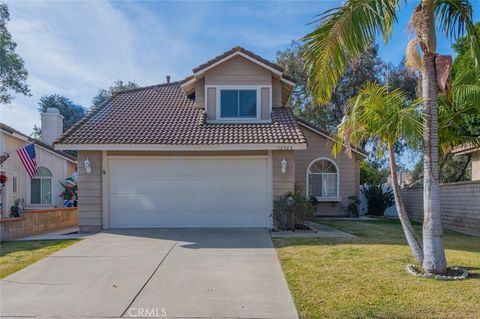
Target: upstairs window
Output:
[
  {"x": 238, "y": 104},
  {"x": 322, "y": 179}
]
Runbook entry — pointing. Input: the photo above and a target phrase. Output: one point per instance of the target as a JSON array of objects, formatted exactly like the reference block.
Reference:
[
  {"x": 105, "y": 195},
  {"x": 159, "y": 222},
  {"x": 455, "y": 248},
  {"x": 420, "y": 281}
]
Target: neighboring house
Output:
[
  {"x": 44, "y": 190},
  {"x": 404, "y": 179},
  {"x": 213, "y": 150},
  {"x": 474, "y": 150}
]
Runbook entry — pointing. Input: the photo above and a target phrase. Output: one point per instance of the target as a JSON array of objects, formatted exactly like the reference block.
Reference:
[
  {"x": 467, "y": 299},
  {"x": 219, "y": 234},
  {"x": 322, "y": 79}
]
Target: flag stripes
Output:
[{"x": 28, "y": 158}]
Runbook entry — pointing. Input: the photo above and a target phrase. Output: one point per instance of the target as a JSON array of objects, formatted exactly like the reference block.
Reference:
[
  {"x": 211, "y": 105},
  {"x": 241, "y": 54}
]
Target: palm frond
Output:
[
  {"x": 376, "y": 113},
  {"x": 344, "y": 32},
  {"x": 455, "y": 18}
]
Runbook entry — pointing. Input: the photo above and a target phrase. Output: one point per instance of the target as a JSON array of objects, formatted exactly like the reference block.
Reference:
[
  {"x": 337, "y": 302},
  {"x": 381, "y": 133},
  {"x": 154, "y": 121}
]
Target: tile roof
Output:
[
  {"x": 11, "y": 130},
  {"x": 163, "y": 114},
  {"x": 327, "y": 134}
]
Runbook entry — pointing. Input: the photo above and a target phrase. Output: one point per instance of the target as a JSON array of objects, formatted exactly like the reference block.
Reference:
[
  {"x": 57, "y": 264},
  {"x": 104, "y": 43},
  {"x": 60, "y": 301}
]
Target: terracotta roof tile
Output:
[{"x": 163, "y": 114}]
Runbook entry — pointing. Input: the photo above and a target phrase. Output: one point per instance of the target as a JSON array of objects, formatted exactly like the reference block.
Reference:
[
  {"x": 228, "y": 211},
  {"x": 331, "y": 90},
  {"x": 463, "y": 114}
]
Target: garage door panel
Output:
[{"x": 187, "y": 192}]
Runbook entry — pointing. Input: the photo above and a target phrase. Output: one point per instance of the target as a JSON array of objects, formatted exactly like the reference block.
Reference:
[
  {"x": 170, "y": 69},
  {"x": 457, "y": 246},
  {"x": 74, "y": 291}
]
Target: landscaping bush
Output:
[
  {"x": 291, "y": 210},
  {"x": 378, "y": 200},
  {"x": 353, "y": 208}
]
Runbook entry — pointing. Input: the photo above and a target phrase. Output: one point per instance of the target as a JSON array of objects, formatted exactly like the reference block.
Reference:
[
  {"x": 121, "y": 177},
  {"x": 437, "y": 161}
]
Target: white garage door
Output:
[{"x": 187, "y": 192}]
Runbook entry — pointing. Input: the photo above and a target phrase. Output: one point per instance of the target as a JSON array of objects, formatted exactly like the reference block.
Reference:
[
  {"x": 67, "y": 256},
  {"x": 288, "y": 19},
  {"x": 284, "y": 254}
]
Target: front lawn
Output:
[
  {"x": 16, "y": 255},
  {"x": 365, "y": 277}
]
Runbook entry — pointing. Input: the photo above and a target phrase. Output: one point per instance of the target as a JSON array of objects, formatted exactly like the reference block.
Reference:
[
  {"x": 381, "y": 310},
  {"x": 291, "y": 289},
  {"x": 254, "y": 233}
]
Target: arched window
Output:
[
  {"x": 322, "y": 179},
  {"x": 41, "y": 187}
]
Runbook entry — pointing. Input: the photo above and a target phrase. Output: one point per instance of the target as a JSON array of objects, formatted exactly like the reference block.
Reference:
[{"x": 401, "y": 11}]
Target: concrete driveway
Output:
[{"x": 208, "y": 273}]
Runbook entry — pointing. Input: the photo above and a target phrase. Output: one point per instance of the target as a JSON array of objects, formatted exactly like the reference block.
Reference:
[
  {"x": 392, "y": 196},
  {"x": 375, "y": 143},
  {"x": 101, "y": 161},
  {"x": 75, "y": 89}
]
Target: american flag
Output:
[{"x": 27, "y": 155}]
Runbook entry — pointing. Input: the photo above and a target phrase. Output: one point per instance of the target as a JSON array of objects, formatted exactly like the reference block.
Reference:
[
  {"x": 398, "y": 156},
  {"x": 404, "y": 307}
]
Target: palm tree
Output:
[
  {"x": 456, "y": 107},
  {"x": 385, "y": 117},
  {"x": 344, "y": 32}
]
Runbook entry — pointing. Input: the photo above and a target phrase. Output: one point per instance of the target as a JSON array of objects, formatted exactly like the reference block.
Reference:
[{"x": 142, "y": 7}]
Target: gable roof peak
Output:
[{"x": 235, "y": 51}]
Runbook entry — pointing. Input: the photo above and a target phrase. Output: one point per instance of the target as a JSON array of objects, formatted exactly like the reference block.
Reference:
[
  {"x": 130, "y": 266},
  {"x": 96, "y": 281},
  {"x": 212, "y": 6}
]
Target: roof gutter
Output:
[
  {"x": 164, "y": 147},
  {"x": 329, "y": 137}
]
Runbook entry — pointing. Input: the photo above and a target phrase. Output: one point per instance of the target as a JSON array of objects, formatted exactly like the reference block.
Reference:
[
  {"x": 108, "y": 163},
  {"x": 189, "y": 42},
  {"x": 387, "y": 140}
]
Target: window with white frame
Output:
[
  {"x": 322, "y": 179},
  {"x": 238, "y": 103},
  {"x": 14, "y": 185},
  {"x": 41, "y": 187}
]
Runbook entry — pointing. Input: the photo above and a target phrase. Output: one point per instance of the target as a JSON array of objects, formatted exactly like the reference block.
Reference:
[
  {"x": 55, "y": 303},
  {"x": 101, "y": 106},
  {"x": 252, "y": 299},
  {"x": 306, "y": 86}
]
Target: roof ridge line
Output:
[{"x": 145, "y": 87}]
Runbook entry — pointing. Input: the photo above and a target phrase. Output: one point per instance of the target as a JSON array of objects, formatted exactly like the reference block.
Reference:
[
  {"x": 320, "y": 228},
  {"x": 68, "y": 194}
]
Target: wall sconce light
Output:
[
  {"x": 88, "y": 166},
  {"x": 283, "y": 167}
]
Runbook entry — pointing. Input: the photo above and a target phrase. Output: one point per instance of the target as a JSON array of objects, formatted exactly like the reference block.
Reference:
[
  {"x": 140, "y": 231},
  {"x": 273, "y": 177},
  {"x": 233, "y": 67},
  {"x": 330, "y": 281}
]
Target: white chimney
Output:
[{"x": 52, "y": 125}]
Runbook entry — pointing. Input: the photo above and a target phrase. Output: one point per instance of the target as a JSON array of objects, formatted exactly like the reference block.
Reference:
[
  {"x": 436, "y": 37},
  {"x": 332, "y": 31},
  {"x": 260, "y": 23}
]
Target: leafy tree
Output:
[
  {"x": 104, "y": 94},
  {"x": 371, "y": 174},
  {"x": 465, "y": 59},
  {"x": 403, "y": 78},
  {"x": 13, "y": 75},
  {"x": 457, "y": 109},
  {"x": 366, "y": 67},
  {"x": 389, "y": 117},
  {"x": 346, "y": 31},
  {"x": 70, "y": 111}
]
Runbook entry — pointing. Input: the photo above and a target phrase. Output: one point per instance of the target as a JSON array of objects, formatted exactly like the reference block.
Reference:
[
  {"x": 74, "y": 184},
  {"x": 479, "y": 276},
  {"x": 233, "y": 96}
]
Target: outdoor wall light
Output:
[
  {"x": 88, "y": 166},
  {"x": 283, "y": 167}
]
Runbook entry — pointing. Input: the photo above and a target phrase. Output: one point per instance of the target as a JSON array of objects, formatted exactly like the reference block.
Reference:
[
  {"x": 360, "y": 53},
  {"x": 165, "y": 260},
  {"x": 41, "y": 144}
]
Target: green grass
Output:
[
  {"x": 365, "y": 277},
  {"x": 16, "y": 255}
]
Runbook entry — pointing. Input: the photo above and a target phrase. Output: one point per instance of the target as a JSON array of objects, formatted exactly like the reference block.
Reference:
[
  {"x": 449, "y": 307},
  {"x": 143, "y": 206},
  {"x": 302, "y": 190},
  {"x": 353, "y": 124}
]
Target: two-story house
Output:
[{"x": 213, "y": 150}]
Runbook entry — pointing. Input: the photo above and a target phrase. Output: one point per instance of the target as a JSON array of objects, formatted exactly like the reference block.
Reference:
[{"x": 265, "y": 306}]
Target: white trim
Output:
[
  {"x": 230, "y": 121},
  {"x": 321, "y": 198},
  {"x": 105, "y": 187},
  {"x": 23, "y": 138},
  {"x": 208, "y": 157},
  {"x": 269, "y": 190},
  {"x": 218, "y": 101},
  {"x": 205, "y": 100},
  {"x": 164, "y": 147},
  {"x": 192, "y": 80},
  {"x": 288, "y": 81},
  {"x": 258, "y": 88},
  {"x": 29, "y": 189},
  {"x": 329, "y": 137}
]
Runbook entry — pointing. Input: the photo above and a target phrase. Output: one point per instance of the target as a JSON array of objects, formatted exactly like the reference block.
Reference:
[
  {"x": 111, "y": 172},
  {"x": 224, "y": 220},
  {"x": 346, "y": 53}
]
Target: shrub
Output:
[
  {"x": 353, "y": 203},
  {"x": 378, "y": 200},
  {"x": 291, "y": 209},
  {"x": 313, "y": 201}
]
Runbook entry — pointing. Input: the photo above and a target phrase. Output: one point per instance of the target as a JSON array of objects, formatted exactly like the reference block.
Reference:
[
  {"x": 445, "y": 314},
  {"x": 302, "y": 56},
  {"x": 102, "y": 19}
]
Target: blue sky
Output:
[{"x": 75, "y": 48}]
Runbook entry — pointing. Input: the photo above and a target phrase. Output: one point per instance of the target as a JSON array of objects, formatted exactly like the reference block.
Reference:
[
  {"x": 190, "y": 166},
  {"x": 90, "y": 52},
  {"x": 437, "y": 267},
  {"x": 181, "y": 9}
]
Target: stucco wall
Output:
[
  {"x": 349, "y": 172},
  {"x": 238, "y": 70},
  {"x": 283, "y": 183},
  {"x": 13, "y": 167},
  {"x": 476, "y": 166},
  {"x": 90, "y": 191},
  {"x": 459, "y": 205}
]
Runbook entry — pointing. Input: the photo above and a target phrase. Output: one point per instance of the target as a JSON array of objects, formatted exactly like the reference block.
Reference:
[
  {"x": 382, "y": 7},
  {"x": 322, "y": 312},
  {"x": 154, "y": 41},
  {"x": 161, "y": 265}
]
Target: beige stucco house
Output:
[
  {"x": 474, "y": 151},
  {"x": 213, "y": 150},
  {"x": 44, "y": 190}
]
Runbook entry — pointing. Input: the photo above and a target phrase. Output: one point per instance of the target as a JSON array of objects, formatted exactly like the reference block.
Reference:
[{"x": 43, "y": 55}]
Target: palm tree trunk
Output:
[
  {"x": 408, "y": 229},
  {"x": 434, "y": 260}
]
